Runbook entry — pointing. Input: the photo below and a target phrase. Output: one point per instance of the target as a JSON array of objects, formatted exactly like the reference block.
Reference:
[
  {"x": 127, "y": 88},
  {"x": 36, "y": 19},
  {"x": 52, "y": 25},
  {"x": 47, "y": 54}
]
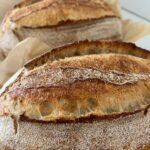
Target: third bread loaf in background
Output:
[{"x": 63, "y": 22}]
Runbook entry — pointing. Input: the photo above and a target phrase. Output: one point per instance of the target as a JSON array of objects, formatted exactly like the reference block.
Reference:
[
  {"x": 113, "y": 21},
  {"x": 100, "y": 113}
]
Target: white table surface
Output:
[
  {"x": 137, "y": 10},
  {"x": 127, "y": 15}
]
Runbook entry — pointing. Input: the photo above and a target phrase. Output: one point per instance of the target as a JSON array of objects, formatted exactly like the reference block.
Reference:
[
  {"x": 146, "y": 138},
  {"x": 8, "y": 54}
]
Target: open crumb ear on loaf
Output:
[
  {"x": 52, "y": 12},
  {"x": 65, "y": 85},
  {"x": 88, "y": 48}
]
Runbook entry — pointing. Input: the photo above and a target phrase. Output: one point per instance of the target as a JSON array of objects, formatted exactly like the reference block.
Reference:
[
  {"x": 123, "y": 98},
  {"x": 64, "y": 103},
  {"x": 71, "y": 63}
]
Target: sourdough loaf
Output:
[{"x": 88, "y": 95}]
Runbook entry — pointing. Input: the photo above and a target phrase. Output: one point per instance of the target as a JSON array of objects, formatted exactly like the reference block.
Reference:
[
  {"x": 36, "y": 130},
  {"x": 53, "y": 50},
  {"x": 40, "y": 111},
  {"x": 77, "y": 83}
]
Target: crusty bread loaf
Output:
[
  {"x": 25, "y": 3},
  {"x": 52, "y": 12},
  {"x": 102, "y": 94},
  {"x": 61, "y": 22}
]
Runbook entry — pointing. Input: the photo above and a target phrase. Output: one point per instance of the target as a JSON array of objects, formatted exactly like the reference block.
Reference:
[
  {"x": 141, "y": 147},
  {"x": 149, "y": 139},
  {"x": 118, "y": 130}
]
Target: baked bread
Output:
[
  {"x": 25, "y": 3},
  {"x": 53, "y": 12},
  {"x": 61, "y": 22},
  {"x": 88, "y": 95}
]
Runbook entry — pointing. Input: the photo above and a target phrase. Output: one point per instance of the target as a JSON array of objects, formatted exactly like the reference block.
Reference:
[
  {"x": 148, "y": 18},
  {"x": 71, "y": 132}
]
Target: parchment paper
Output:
[
  {"x": 24, "y": 51},
  {"x": 32, "y": 47},
  {"x": 133, "y": 31},
  {"x": 5, "y": 6}
]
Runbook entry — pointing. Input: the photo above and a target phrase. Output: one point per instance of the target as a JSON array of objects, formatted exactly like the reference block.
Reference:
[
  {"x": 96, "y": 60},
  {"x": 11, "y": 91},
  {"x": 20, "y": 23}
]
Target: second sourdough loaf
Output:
[
  {"x": 61, "y": 22},
  {"x": 88, "y": 95}
]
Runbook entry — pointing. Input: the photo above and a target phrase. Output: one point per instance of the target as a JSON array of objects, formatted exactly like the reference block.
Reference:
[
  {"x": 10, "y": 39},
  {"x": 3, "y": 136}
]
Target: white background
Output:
[{"x": 136, "y": 9}]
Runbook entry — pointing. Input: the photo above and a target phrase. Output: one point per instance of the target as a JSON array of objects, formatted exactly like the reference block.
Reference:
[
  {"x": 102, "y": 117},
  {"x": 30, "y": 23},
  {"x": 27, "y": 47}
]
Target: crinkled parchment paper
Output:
[
  {"x": 5, "y": 6},
  {"x": 24, "y": 51},
  {"x": 31, "y": 47}
]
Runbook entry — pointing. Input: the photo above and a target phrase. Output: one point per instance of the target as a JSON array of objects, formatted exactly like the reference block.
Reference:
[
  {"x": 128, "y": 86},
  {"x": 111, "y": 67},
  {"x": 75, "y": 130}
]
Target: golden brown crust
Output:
[
  {"x": 107, "y": 62},
  {"x": 81, "y": 100},
  {"x": 80, "y": 114},
  {"x": 147, "y": 147},
  {"x": 24, "y": 3},
  {"x": 52, "y": 12},
  {"x": 76, "y": 87},
  {"x": 87, "y": 47}
]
